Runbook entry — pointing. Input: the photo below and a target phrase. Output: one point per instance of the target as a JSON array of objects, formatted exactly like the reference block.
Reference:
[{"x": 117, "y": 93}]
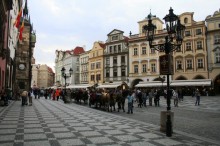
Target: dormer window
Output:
[
  {"x": 185, "y": 20},
  {"x": 114, "y": 38}
]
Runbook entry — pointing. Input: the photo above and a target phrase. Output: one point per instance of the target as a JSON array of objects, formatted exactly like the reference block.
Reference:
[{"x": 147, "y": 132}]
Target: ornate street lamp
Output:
[
  {"x": 173, "y": 41},
  {"x": 65, "y": 75}
]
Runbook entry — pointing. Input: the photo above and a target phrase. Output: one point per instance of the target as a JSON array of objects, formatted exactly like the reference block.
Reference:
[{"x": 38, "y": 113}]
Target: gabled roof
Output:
[
  {"x": 102, "y": 45},
  {"x": 78, "y": 50},
  {"x": 115, "y": 30}
]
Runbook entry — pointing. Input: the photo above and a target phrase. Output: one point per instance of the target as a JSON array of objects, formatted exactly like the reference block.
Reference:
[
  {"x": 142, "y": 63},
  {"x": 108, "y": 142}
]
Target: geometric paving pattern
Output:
[{"x": 52, "y": 123}]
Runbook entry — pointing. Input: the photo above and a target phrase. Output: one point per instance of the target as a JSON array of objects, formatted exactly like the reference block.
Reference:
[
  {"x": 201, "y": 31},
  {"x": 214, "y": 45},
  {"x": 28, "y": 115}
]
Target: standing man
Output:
[{"x": 197, "y": 94}]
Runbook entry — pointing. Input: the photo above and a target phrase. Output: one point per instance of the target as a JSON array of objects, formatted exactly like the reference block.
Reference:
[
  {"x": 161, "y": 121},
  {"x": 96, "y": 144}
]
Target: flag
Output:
[
  {"x": 17, "y": 21},
  {"x": 21, "y": 30}
]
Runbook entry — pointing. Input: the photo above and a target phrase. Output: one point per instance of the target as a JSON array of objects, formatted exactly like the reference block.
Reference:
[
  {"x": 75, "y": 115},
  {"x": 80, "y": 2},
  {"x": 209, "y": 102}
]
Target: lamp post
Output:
[
  {"x": 173, "y": 41},
  {"x": 65, "y": 75}
]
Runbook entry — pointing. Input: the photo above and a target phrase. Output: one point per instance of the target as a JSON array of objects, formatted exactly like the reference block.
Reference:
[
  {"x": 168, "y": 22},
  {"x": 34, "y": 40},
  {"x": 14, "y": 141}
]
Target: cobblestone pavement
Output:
[{"x": 53, "y": 123}]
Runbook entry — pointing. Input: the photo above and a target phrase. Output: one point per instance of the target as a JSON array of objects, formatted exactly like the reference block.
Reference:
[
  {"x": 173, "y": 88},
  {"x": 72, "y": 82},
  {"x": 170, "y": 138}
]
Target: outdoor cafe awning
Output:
[
  {"x": 78, "y": 86},
  {"x": 176, "y": 83},
  {"x": 151, "y": 84},
  {"x": 108, "y": 86},
  {"x": 202, "y": 82}
]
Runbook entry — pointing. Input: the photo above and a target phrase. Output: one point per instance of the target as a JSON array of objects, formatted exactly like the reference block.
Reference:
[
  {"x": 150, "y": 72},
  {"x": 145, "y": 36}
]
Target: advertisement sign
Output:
[{"x": 166, "y": 64}]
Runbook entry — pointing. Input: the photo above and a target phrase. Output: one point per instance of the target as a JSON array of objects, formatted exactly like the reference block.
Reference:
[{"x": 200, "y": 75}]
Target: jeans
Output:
[
  {"x": 197, "y": 100},
  {"x": 130, "y": 107}
]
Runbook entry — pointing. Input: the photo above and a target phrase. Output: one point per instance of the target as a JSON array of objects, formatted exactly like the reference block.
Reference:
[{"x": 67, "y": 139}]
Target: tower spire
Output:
[{"x": 25, "y": 10}]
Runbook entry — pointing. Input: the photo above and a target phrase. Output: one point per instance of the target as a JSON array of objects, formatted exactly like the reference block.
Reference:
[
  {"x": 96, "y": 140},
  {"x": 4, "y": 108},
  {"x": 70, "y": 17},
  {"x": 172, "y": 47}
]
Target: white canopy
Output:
[
  {"x": 176, "y": 83},
  {"x": 151, "y": 84},
  {"x": 198, "y": 82},
  {"x": 108, "y": 86},
  {"x": 78, "y": 86}
]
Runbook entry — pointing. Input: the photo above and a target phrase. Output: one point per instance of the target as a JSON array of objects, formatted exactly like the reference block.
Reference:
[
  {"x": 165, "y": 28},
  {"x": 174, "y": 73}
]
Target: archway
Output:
[
  {"x": 181, "y": 78},
  {"x": 135, "y": 82},
  {"x": 199, "y": 77}
]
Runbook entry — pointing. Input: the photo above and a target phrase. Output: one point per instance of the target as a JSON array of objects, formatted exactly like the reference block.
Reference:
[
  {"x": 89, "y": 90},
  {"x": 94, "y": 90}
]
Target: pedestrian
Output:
[
  {"x": 4, "y": 101},
  {"x": 157, "y": 98},
  {"x": 140, "y": 100},
  {"x": 175, "y": 98},
  {"x": 30, "y": 96},
  {"x": 130, "y": 103},
  {"x": 151, "y": 96},
  {"x": 24, "y": 96},
  {"x": 197, "y": 95},
  {"x": 144, "y": 98},
  {"x": 57, "y": 94}
]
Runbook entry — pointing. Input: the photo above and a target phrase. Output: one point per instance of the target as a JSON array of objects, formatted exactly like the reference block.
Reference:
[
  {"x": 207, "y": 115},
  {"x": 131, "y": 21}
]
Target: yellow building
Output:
[
  {"x": 96, "y": 66},
  {"x": 190, "y": 61},
  {"x": 143, "y": 60}
]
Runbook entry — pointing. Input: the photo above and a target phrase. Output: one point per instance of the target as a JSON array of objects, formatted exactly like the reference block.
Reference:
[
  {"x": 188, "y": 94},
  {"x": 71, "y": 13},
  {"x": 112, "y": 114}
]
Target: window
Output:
[
  {"x": 152, "y": 51},
  {"x": 98, "y": 65},
  {"x": 189, "y": 64},
  {"x": 107, "y": 61},
  {"x": 77, "y": 68},
  {"x": 135, "y": 51},
  {"x": 135, "y": 68},
  {"x": 119, "y": 48},
  {"x": 92, "y": 77},
  {"x": 98, "y": 77},
  {"x": 115, "y": 60},
  {"x": 198, "y": 31},
  {"x": 179, "y": 64},
  {"x": 187, "y": 33},
  {"x": 123, "y": 72},
  {"x": 217, "y": 39},
  {"x": 188, "y": 46},
  {"x": 92, "y": 66},
  {"x": 144, "y": 68},
  {"x": 185, "y": 20},
  {"x": 115, "y": 37},
  {"x": 219, "y": 25},
  {"x": 217, "y": 57},
  {"x": 97, "y": 53},
  {"x": 199, "y": 45},
  {"x": 115, "y": 73},
  {"x": 110, "y": 49},
  {"x": 153, "y": 67},
  {"x": 144, "y": 51},
  {"x": 200, "y": 63},
  {"x": 107, "y": 73},
  {"x": 115, "y": 49},
  {"x": 122, "y": 59}
]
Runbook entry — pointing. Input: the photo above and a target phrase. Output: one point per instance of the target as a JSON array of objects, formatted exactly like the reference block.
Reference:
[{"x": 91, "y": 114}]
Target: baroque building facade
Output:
[
  {"x": 213, "y": 48},
  {"x": 84, "y": 67},
  {"x": 5, "y": 7},
  {"x": 42, "y": 76},
  {"x": 68, "y": 59},
  {"x": 96, "y": 63},
  {"x": 143, "y": 60},
  {"x": 116, "y": 57},
  {"x": 190, "y": 61}
]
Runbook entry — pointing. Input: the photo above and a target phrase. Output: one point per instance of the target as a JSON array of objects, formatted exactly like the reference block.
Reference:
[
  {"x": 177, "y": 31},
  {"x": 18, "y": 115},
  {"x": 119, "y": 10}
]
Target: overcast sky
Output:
[{"x": 65, "y": 24}]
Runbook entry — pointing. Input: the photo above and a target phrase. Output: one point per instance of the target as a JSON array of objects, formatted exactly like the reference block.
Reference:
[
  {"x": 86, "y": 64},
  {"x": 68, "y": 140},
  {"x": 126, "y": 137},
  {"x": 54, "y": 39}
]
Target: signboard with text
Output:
[{"x": 166, "y": 64}]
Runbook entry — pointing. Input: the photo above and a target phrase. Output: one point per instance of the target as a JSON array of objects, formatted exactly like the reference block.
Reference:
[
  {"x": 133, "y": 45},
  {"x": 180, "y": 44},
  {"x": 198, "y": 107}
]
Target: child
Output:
[{"x": 130, "y": 103}]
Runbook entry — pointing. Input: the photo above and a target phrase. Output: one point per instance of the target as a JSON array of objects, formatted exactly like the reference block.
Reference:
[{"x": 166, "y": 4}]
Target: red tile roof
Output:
[
  {"x": 102, "y": 45},
  {"x": 78, "y": 50}
]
